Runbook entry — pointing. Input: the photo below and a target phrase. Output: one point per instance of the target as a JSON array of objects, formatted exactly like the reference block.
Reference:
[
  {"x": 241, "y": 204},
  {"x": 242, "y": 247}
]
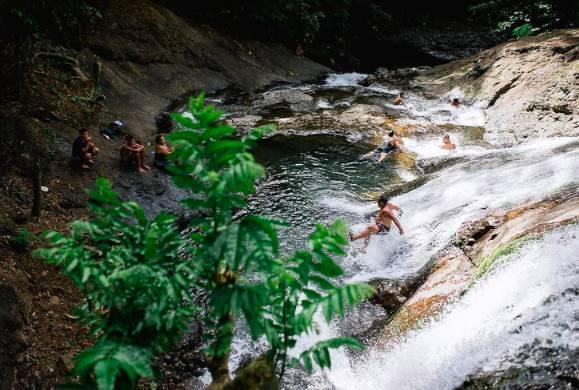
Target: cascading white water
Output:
[
  {"x": 477, "y": 330},
  {"x": 501, "y": 313},
  {"x": 435, "y": 211}
]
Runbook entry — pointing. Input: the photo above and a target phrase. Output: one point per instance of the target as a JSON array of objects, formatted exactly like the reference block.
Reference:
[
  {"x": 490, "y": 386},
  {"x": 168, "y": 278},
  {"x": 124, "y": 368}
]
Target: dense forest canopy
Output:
[{"x": 325, "y": 27}]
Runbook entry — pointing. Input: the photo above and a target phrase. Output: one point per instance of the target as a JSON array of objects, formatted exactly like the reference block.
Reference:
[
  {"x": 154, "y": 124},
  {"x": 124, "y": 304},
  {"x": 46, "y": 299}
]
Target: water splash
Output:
[
  {"x": 344, "y": 79},
  {"x": 496, "y": 318}
]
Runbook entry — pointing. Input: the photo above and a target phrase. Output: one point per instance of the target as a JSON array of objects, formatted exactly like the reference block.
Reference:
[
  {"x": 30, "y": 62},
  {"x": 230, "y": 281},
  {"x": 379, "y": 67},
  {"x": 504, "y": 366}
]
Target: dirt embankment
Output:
[{"x": 529, "y": 87}]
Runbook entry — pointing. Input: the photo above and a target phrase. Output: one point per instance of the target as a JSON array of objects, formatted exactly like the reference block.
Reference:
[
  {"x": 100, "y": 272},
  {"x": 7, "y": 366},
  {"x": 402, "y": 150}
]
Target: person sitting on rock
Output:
[
  {"x": 133, "y": 153},
  {"x": 455, "y": 102},
  {"x": 390, "y": 145},
  {"x": 84, "y": 149},
  {"x": 382, "y": 223},
  {"x": 399, "y": 99},
  {"x": 162, "y": 150},
  {"x": 447, "y": 143}
]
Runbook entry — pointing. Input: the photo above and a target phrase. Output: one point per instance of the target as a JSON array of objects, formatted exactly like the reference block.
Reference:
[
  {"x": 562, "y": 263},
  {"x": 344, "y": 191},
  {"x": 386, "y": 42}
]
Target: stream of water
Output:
[{"x": 321, "y": 177}]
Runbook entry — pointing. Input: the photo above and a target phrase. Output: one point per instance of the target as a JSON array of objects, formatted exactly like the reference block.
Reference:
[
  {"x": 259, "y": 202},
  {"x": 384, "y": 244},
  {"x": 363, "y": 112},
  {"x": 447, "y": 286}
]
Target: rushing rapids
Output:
[{"x": 319, "y": 176}]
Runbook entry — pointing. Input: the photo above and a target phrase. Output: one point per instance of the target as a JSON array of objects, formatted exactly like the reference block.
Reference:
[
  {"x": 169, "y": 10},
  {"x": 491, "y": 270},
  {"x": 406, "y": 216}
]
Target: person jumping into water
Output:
[{"x": 382, "y": 223}]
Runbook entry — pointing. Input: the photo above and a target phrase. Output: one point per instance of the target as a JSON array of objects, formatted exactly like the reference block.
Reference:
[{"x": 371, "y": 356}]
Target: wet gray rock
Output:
[
  {"x": 552, "y": 368},
  {"x": 285, "y": 101},
  {"x": 392, "y": 293},
  {"x": 528, "y": 87},
  {"x": 429, "y": 165}
]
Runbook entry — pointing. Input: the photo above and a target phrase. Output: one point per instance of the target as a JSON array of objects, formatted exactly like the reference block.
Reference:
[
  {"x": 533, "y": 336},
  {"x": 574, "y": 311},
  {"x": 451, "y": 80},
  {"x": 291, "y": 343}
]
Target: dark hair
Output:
[
  {"x": 401, "y": 93},
  {"x": 158, "y": 138},
  {"x": 383, "y": 199},
  {"x": 129, "y": 137},
  {"x": 82, "y": 130},
  {"x": 391, "y": 133},
  {"x": 446, "y": 136},
  {"x": 455, "y": 100}
]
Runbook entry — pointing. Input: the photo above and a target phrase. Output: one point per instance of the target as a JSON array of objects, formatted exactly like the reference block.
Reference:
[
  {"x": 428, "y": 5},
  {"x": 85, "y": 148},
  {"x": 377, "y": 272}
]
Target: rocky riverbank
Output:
[
  {"x": 138, "y": 62},
  {"x": 528, "y": 87}
]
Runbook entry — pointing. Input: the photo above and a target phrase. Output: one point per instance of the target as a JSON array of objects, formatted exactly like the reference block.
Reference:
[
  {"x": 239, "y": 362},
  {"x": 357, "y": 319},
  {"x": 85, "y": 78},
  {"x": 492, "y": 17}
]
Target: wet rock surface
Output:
[
  {"x": 277, "y": 102},
  {"x": 529, "y": 86},
  {"x": 533, "y": 367},
  {"x": 455, "y": 267},
  {"x": 392, "y": 293},
  {"x": 151, "y": 57}
]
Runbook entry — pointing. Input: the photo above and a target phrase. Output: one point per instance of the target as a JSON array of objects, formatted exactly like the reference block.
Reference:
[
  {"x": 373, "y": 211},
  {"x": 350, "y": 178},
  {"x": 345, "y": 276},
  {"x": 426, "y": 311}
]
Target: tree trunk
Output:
[
  {"x": 36, "y": 190},
  {"x": 258, "y": 375}
]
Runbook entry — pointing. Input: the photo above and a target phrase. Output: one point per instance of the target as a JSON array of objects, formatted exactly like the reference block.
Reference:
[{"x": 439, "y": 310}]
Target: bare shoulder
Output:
[{"x": 386, "y": 212}]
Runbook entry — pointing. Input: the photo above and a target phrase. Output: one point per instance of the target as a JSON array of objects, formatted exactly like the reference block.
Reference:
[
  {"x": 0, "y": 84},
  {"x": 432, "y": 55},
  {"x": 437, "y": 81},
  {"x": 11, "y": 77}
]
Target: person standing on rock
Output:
[
  {"x": 382, "y": 223},
  {"x": 399, "y": 99}
]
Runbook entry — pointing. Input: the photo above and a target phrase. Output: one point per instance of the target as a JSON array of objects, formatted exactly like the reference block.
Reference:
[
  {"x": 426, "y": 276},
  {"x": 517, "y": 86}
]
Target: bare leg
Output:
[
  {"x": 142, "y": 160},
  {"x": 370, "y": 229}
]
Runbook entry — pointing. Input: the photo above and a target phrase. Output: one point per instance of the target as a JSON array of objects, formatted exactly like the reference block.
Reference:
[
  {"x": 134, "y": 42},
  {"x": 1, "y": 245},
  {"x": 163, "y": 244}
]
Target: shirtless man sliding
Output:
[{"x": 382, "y": 223}]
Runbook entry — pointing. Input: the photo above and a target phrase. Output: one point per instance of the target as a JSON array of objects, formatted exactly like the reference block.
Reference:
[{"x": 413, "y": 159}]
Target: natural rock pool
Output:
[{"x": 315, "y": 174}]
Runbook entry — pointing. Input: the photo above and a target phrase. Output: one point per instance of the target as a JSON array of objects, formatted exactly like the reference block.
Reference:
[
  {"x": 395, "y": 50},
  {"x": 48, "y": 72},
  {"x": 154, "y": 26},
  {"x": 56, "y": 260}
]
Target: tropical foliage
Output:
[
  {"x": 137, "y": 273},
  {"x": 524, "y": 18}
]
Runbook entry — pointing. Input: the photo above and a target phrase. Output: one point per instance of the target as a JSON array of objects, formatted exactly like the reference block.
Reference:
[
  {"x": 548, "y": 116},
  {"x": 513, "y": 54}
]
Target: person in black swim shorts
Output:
[
  {"x": 382, "y": 223},
  {"x": 392, "y": 144}
]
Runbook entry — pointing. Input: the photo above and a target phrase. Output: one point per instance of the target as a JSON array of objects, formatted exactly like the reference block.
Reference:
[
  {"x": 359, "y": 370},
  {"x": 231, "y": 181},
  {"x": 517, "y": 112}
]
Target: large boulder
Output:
[
  {"x": 528, "y": 87},
  {"x": 281, "y": 102},
  {"x": 150, "y": 57}
]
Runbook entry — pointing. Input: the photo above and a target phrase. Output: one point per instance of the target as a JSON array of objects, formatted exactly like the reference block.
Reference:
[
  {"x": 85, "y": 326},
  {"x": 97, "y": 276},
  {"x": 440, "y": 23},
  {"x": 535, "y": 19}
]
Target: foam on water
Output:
[
  {"x": 439, "y": 111},
  {"x": 429, "y": 147},
  {"x": 496, "y": 317},
  {"x": 435, "y": 211},
  {"x": 344, "y": 79}
]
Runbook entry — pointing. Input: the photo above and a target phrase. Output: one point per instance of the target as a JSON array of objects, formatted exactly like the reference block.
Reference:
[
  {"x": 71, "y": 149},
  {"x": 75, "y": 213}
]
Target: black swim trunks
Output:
[
  {"x": 382, "y": 229},
  {"x": 387, "y": 147}
]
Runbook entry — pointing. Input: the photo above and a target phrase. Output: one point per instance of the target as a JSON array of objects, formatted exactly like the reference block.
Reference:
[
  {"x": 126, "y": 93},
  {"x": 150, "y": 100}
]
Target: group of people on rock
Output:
[{"x": 132, "y": 153}]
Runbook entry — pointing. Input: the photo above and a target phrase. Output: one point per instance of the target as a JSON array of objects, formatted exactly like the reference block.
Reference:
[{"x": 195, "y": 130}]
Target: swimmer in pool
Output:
[
  {"x": 392, "y": 144},
  {"x": 447, "y": 143}
]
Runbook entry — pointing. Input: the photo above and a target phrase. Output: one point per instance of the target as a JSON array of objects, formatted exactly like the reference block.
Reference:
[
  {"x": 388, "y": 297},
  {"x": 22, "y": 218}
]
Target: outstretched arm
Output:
[{"x": 395, "y": 220}]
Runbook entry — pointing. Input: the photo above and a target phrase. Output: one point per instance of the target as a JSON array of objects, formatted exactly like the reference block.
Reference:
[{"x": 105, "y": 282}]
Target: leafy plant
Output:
[
  {"x": 22, "y": 240},
  {"x": 238, "y": 257},
  {"x": 524, "y": 18},
  {"x": 136, "y": 274},
  {"x": 135, "y": 282},
  {"x": 523, "y": 31}
]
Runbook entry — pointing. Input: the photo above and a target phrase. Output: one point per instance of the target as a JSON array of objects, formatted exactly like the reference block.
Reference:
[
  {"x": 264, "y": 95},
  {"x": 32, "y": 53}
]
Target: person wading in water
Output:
[{"x": 382, "y": 223}]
